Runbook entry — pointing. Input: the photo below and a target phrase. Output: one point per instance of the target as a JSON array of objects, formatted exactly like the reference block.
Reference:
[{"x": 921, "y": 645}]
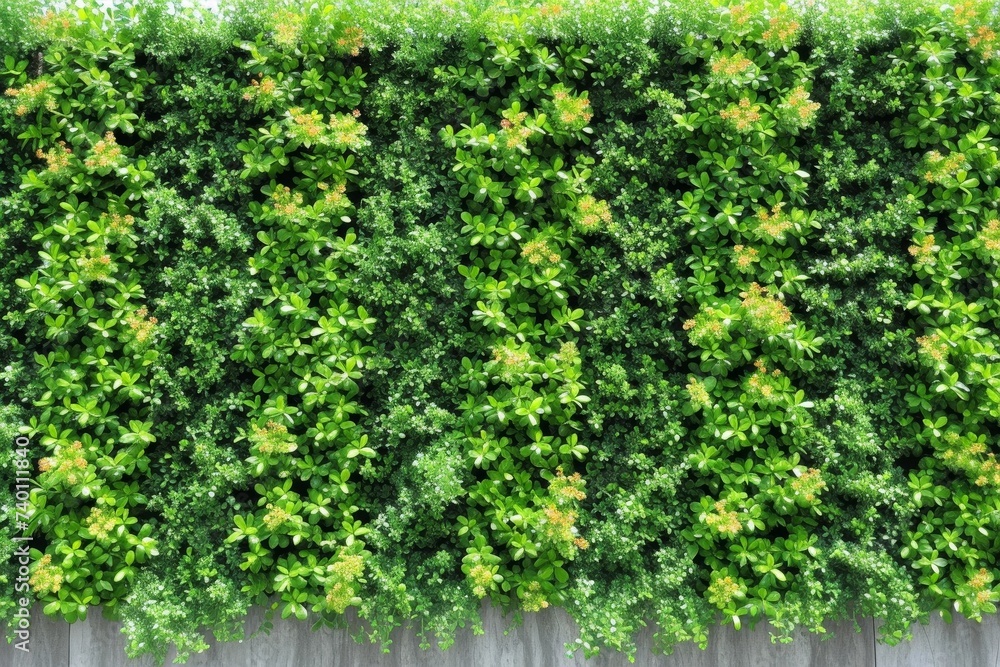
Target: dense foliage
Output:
[{"x": 676, "y": 313}]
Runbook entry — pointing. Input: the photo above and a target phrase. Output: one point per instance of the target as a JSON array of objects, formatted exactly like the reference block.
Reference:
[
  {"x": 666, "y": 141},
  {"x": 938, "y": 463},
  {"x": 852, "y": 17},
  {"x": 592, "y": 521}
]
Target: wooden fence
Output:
[{"x": 538, "y": 643}]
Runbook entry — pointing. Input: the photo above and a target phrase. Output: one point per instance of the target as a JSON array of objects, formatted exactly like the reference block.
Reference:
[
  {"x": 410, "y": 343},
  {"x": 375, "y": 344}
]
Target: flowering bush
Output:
[{"x": 682, "y": 315}]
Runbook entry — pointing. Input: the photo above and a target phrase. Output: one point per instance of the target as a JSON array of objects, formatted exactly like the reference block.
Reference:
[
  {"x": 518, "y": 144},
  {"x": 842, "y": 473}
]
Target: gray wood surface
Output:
[
  {"x": 538, "y": 643},
  {"x": 49, "y": 644},
  {"x": 963, "y": 643}
]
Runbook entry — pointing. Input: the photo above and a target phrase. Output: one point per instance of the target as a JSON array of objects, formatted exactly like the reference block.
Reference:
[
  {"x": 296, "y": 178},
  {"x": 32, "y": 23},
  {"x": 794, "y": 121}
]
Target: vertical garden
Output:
[{"x": 680, "y": 313}]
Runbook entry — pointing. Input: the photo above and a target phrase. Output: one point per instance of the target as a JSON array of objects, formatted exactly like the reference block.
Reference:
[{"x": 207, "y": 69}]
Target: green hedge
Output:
[{"x": 681, "y": 314}]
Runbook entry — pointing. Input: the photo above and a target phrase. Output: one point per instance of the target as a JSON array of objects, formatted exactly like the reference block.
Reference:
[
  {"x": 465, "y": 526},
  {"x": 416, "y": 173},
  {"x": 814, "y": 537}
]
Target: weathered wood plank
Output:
[
  {"x": 289, "y": 643},
  {"x": 962, "y": 643},
  {"x": 97, "y": 642},
  {"x": 537, "y": 643},
  {"x": 49, "y": 644},
  {"x": 842, "y": 645}
]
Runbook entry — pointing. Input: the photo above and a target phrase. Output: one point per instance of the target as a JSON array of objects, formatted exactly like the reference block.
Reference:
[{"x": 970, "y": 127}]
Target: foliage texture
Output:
[{"x": 673, "y": 313}]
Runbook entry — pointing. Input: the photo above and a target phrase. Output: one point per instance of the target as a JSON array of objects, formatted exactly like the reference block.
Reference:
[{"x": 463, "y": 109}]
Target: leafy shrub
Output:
[{"x": 677, "y": 315}]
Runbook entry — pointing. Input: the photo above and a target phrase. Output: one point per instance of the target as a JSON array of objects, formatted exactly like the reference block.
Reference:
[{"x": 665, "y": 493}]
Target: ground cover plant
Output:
[{"x": 672, "y": 313}]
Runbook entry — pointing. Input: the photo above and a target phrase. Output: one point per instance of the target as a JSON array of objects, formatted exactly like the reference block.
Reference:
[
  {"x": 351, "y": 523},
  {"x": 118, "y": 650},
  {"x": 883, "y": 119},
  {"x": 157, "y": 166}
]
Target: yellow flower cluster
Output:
[
  {"x": 782, "y": 31},
  {"x": 971, "y": 457},
  {"x": 985, "y": 42},
  {"x": 923, "y": 251},
  {"x": 105, "y": 153},
  {"x": 722, "y": 591},
  {"x": 261, "y": 91},
  {"x": 32, "y": 96},
  {"x": 698, "y": 393},
  {"x": 55, "y": 25},
  {"x": 567, "y": 489},
  {"x": 764, "y": 313},
  {"x": 284, "y": 202},
  {"x": 100, "y": 523},
  {"x": 723, "y": 521},
  {"x": 809, "y": 485},
  {"x": 550, "y": 9},
  {"x": 95, "y": 264},
  {"x": 762, "y": 386},
  {"x": 275, "y": 517},
  {"x": 772, "y": 225},
  {"x": 68, "y": 464},
  {"x": 141, "y": 327},
  {"x": 568, "y": 354},
  {"x": 335, "y": 197},
  {"x": 47, "y": 578},
  {"x": 558, "y": 527},
  {"x": 745, "y": 258},
  {"x": 591, "y": 213},
  {"x": 57, "y": 158},
  {"x": 934, "y": 347},
  {"x": 347, "y": 131},
  {"x": 799, "y": 107},
  {"x": 349, "y": 566},
  {"x": 989, "y": 236},
  {"x": 980, "y": 579},
  {"x": 731, "y": 67},
  {"x": 965, "y": 12},
  {"x": 509, "y": 362},
  {"x": 288, "y": 27},
  {"x": 705, "y": 327},
  {"x": 533, "y": 599},
  {"x": 118, "y": 224},
  {"x": 340, "y": 596},
  {"x": 990, "y": 473},
  {"x": 342, "y": 593},
  {"x": 940, "y": 168},
  {"x": 739, "y": 15},
  {"x": 741, "y": 117},
  {"x": 539, "y": 252},
  {"x": 272, "y": 439},
  {"x": 979, "y": 582},
  {"x": 514, "y": 134},
  {"x": 351, "y": 41},
  {"x": 482, "y": 579},
  {"x": 306, "y": 127},
  {"x": 572, "y": 112},
  {"x": 266, "y": 86}
]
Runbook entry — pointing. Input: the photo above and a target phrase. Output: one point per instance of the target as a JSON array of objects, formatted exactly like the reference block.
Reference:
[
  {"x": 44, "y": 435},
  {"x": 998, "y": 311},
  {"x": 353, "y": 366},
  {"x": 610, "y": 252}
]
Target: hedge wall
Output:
[{"x": 680, "y": 313}]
